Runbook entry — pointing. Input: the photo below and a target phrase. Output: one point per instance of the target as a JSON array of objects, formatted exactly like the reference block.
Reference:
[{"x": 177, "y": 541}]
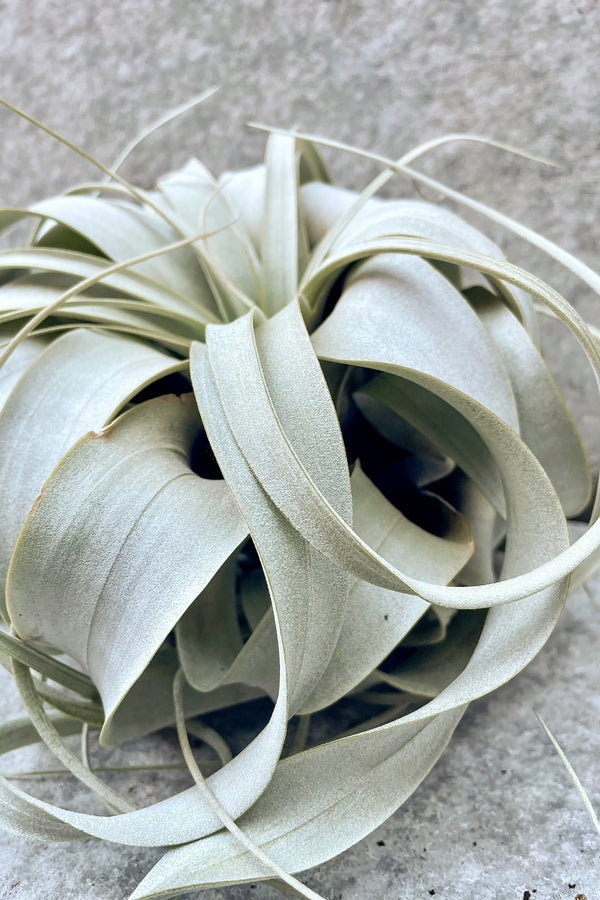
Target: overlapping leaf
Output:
[
  {"x": 372, "y": 502},
  {"x": 77, "y": 384}
]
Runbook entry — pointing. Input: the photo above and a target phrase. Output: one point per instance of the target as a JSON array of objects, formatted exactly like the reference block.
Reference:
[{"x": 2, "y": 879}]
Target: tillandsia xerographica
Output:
[{"x": 268, "y": 441}]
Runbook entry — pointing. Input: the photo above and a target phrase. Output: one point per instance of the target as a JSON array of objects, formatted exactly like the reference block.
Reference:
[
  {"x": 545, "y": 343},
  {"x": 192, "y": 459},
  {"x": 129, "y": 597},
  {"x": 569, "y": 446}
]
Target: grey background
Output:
[{"x": 384, "y": 75}]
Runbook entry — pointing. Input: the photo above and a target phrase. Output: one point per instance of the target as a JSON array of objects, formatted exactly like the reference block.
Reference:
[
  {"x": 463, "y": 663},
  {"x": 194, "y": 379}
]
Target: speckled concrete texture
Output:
[{"x": 497, "y": 817}]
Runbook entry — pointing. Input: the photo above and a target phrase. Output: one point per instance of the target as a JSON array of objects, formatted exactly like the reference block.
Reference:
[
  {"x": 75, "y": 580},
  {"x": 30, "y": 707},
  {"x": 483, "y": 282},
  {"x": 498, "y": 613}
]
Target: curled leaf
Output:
[{"x": 286, "y": 457}]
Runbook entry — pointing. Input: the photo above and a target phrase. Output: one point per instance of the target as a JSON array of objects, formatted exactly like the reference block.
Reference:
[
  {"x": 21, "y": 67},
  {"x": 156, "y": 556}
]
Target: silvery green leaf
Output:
[
  {"x": 377, "y": 619},
  {"x": 245, "y": 191},
  {"x": 286, "y": 353},
  {"x": 545, "y": 423},
  {"x": 444, "y": 428},
  {"x": 371, "y": 505},
  {"x": 160, "y": 433},
  {"x": 256, "y": 428},
  {"x": 281, "y": 243},
  {"x": 328, "y": 214},
  {"x": 92, "y": 372},
  {"x": 368, "y": 777},
  {"x": 102, "y": 532},
  {"x": 82, "y": 265},
  {"x": 18, "y": 362},
  {"x": 121, "y": 231},
  {"x": 227, "y": 256}
]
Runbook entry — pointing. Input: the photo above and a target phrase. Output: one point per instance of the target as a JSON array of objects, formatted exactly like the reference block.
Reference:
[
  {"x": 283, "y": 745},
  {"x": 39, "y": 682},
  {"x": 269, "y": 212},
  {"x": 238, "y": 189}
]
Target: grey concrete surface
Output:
[{"x": 497, "y": 817}]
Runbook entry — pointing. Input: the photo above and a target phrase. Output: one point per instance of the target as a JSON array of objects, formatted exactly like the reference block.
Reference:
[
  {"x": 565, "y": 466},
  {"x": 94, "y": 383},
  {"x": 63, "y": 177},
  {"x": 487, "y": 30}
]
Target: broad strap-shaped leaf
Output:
[
  {"x": 227, "y": 256},
  {"x": 24, "y": 297},
  {"x": 77, "y": 384},
  {"x": 545, "y": 423},
  {"x": 122, "y": 524},
  {"x": 82, "y": 265},
  {"x": 433, "y": 667},
  {"x": 445, "y": 428},
  {"x": 122, "y": 231},
  {"x": 16, "y": 364},
  {"x": 440, "y": 335},
  {"x": 149, "y": 704},
  {"x": 283, "y": 246},
  {"x": 262, "y": 438},
  {"x": 377, "y": 619},
  {"x": 325, "y": 206},
  {"x": 362, "y": 780},
  {"x": 174, "y": 532},
  {"x": 255, "y": 666},
  {"x": 245, "y": 192},
  {"x": 245, "y": 189},
  {"x": 487, "y": 529},
  {"x": 214, "y": 659},
  {"x": 292, "y": 586},
  {"x": 312, "y": 165},
  {"x": 208, "y": 635},
  {"x": 297, "y": 385}
]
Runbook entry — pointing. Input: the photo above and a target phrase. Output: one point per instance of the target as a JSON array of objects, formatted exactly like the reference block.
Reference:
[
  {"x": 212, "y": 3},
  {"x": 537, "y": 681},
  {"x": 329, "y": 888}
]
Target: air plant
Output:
[{"x": 264, "y": 437}]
